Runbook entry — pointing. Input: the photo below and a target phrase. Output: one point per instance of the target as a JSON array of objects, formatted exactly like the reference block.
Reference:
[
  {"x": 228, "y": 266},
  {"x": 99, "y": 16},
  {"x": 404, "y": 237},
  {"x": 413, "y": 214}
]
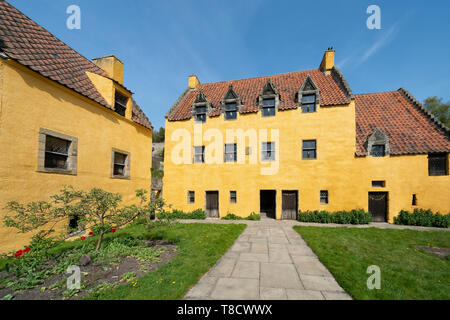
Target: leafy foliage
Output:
[
  {"x": 253, "y": 216},
  {"x": 439, "y": 109},
  {"x": 159, "y": 136},
  {"x": 424, "y": 218},
  {"x": 197, "y": 214},
  {"x": 340, "y": 217}
]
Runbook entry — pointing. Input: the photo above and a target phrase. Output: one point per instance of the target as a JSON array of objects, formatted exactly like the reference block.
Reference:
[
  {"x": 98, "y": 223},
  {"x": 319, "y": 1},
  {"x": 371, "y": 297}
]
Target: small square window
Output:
[
  {"x": 199, "y": 154},
  {"x": 437, "y": 165},
  {"x": 378, "y": 184},
  {"x": 268, "y": 151},
  {"x": 57, "y": 153},
  {"x": 120, "y": 105},
  {"x": 233, "y": 196},
  {"x": 120, "y": 165},
  {"x": 248, "y": 151},
  {"x": 230, "y": 111},
  {"x": 268, "y": 107},
  {"x": 323, "y": 197},
  {"x": 378, "y": 150},
  {"x": 191, "y": 196},
  {"x": 309, "y": 103},
  {"x": 231, "y": 152},
  {"x": 200, "y": 114},
  {"x": 309, "y": 149}
]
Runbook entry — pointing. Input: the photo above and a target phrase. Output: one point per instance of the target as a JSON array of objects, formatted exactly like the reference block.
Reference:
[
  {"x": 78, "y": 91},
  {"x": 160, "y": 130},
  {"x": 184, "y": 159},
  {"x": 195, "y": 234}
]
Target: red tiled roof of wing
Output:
[
  {"x": 332, "y": 92},
  {"x": 33, "y": 46},
  {"x": 410, "y": 129}
]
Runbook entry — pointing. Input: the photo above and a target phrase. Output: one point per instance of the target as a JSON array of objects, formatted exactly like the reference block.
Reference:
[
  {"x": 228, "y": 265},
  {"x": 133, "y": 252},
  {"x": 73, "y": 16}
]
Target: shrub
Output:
[
  {"x": 198, "y": 214},
  {"x": 424, "y": 218},
  {"x": 253, "y": 216},
  {"x": 341, "y": 217}
]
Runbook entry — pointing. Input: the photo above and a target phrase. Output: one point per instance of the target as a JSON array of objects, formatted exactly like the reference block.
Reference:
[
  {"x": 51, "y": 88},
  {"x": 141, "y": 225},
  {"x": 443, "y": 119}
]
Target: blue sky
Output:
[{"x": 162, "y": 42}]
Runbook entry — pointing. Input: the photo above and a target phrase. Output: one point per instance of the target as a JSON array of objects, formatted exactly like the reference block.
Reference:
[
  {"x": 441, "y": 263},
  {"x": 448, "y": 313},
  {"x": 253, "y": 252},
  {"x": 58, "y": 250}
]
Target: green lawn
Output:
[
  {"x": 406, "y": 273},
  {"x": 199, "y": 245}
]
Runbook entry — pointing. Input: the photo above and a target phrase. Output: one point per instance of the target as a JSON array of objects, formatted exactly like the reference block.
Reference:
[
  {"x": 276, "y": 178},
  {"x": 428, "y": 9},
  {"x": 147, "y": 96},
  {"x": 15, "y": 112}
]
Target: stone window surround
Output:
[
  {"x": 72, "y": 153},
  {"x": 302, "y": 92},
  {"x": 378, "y": 138},
  {"x": 205, "y": 103},
  {"x": 126, "y": 175},
  {"x": 263, "y": 97}
]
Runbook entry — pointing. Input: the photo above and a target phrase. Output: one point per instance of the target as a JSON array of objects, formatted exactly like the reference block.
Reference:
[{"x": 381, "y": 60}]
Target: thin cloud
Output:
[{"x": 379, "y": 44}]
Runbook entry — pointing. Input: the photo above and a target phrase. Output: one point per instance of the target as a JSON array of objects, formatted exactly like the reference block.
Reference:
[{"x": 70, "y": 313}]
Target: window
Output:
[
  {"x": 309, "y": 103},
  {"x": 248, "y": 151},
  {"x": 200, "y": 114},
  {"x": 57, "y": 152},
  {"x": 378, "y": 150},
  {"x": 199, "y": 154},
  {"x": 230, "y": 111},
  {"x": 309, "y": 149},
  {"x": 323, "y": 197},
  {"x": 268, "y": 107},
  {"x": 378, "y": 184},
  {"x": 120, "y": 164},
  {"x": 437, "y": 164},
  {"x": 231, "y": 152},
  {"x": 120, "y": 105},
  {"x": 233, "y": 196},
  {"x": 191, "y": 196},
  {"x": 74, "y": 227},
  {"x": 268, "y": 151},
  {"x": 414, "y": 200}
]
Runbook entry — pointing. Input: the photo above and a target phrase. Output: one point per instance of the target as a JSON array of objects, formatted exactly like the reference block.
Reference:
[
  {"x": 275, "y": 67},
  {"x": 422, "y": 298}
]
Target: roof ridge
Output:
[
  {"x": 336, "y": 72},
  {"x": 418, "y": 105},
  {"x": 260, "y": 77}
]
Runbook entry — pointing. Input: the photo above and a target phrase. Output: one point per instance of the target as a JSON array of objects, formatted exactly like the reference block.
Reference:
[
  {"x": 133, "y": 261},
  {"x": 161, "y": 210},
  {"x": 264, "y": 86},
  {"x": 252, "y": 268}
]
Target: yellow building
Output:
[
  {"x": 64, "y": 120},
  {"x": 303, "y": 141}
]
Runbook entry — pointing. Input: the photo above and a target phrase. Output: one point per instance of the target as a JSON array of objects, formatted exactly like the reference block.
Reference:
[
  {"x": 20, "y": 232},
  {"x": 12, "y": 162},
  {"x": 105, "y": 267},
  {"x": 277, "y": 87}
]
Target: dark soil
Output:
[
  {"x": 94, "y": 275},
  {"x": 436, "y": 251}
]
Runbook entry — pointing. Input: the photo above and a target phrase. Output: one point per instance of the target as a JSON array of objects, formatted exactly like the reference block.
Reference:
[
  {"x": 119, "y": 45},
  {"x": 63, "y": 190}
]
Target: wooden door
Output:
[
  {"x": 289, "y": 205},
  {"x": 212, "y": 204},
  {"x": 378, "y": 206}
]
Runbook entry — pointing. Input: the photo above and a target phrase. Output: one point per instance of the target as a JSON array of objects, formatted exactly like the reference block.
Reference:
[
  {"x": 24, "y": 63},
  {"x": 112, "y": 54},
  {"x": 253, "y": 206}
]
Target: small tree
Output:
[{"x": 97, "y": 209}]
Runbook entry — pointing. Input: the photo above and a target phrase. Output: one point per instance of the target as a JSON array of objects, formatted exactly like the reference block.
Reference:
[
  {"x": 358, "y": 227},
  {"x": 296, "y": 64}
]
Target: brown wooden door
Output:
[
  {"x": 289, "y": 205},
  {"x": 378, "y": 205},
  {"x": 212, "y": 204}
]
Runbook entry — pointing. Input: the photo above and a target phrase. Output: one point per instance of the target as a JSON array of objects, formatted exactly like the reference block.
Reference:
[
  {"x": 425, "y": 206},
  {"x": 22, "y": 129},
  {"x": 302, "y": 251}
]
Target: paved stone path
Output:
[{"x": 271, "y": 261}]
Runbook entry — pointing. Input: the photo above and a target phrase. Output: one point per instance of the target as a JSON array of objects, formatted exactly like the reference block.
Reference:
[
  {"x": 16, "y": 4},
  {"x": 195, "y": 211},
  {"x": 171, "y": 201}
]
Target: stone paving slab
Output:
[{"x": 268, "y": 261}]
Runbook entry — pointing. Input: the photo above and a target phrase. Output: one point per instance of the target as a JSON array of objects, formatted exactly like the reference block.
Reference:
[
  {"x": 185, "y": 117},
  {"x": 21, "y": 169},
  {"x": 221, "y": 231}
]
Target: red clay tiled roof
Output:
[
  {"x": 410, "y": 128},
  {"x": 333, "y": 91},
  {"x": 33, "y": 46}
]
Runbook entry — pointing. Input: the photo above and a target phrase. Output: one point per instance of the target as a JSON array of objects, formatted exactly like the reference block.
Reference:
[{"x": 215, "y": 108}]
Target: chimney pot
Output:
[{"x": 193, "y": 81}]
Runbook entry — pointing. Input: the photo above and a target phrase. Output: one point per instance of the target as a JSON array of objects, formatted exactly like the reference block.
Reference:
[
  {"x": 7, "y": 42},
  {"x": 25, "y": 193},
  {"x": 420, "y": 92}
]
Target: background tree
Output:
[
  {"x": 159, "y": 136},
  {"x": 439, "y": 109}
]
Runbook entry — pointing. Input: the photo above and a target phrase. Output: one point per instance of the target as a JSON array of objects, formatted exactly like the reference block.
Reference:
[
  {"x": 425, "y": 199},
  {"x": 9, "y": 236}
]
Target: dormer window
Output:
[
  {"x": 378, "y": 144},
  {"x": 309, "y": 103},
  {"x": 269, "y": 100},
  {"x": 268, "y": 107},
  {"x": 120, "y": 105},
  {"x": 230, "y": 111},
  {"x": 308, "y": 95},
  {"x": 231, "y": 104},
  {"x": 200, "y": 114},
  {"x": 201, "y": 107}
]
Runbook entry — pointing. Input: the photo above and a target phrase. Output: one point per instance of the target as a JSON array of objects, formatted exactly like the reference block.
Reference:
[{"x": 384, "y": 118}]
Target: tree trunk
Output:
[{"x": 99, "y": 242}]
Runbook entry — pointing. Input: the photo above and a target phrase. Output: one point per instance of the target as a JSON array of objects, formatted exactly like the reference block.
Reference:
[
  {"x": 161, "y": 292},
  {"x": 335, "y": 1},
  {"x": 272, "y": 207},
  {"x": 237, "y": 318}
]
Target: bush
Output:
[
  {"x": 341, "y": 217},
  {"x": 253, "y": 216},
  {"x": 424, "y": 218},
  {"x": 198, "y": 214}
]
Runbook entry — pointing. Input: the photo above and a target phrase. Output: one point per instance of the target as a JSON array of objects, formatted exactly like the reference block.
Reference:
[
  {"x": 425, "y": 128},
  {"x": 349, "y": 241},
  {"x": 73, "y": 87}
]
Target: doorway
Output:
[
  {"x": 268, "y": 203},
  {"x": 212, "y": 204},
  {"x": 378, "y": 206},
  {"x": 289, "y": 205}
]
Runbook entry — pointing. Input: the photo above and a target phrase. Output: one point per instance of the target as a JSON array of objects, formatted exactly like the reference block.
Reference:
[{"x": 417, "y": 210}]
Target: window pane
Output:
[
  {"x": 309, "y": 99},
  {"x": 324, "y": 197},
  {"x": 119, "y": 170},
  {"x": 378, "y": 150},
  {"x": 199, "y": 154},
  {"x": 269, "y": 103},
  {"x": 57, "y": 145},
  {"x": 191, "y": 196},
  {"x": 309, "y": 144},
  {"x": 437, "y": 165},
  {"x": 233, "y": 196},
  {"x": 230, "y": 148},
  {"x": 200, "y": 110},
  {"x": 268, "y": 112},
  {"x": 307, "y": 108},
  {"x": 231, "y": 107},
  {"x": 230, "y": 115},
  {"x": 119, "y": 158}
]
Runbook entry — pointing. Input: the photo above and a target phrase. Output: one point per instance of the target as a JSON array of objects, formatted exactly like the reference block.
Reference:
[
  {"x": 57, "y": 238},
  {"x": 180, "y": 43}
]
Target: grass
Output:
[
  {"x": 199, "y": 245},
  {"x": 406, "y": 273}
]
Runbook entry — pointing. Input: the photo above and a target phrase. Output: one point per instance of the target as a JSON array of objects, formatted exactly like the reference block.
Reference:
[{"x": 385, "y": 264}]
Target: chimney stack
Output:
[
  {"x": 193, "y": 81},
  {"x": 112, "y": 66},
  {"x": 328, "y": 61}
]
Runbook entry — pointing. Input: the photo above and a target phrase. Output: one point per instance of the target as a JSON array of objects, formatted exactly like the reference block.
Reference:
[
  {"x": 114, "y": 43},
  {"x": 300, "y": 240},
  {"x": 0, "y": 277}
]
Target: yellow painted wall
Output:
[
  {"x": 31, "y": 102},
  {"x": 336, "y": 169}
]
